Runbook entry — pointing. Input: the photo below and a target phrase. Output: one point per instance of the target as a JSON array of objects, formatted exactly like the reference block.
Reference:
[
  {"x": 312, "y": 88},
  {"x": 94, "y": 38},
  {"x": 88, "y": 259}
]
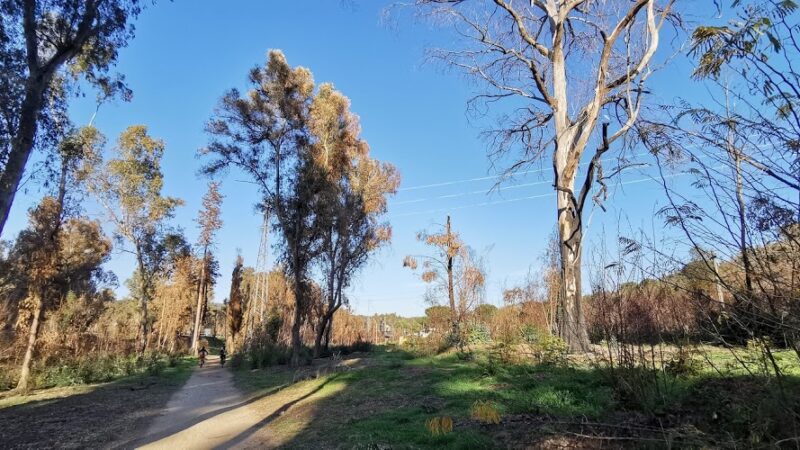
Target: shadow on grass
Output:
[
  {"x": 246, "y": 434},
  {"x": 387, "y": 403},
  {"x": 108, "y": 415}
]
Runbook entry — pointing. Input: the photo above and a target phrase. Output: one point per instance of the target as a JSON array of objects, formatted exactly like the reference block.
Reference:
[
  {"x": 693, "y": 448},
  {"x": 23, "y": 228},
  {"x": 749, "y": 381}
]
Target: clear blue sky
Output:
[{"x": 187, "y": 53}]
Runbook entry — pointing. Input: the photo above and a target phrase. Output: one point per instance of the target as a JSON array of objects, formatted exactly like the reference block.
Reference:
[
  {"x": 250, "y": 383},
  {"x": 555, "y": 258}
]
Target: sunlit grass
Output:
[{"x": 391, "y": 399}]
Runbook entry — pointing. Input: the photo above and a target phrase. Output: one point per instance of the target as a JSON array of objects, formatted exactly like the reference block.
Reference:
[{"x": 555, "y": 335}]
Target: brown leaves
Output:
[
  {"x": 410, "y": 262},
  {"x": 209, "y": 219}
]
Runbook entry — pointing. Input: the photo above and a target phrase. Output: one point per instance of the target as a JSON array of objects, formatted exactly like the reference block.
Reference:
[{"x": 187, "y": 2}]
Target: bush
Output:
[
  {"x": 237, "y": 360},
  {"x": 486, "y": 412},
  {"x": 478, "y": 334},
  {"x": 683, "y": 364},
  {"x": 440, "y": 425},
  {"x": 99, "y": 369},
  {"x": 530, "y": 334},
  {"x": 261, "y": 355},
  {"x": 551, "y": 350},
  {"x": 357, "y": 346},
  {"x": 8, "y": 378},
  {"x": 422, "y": 347}
]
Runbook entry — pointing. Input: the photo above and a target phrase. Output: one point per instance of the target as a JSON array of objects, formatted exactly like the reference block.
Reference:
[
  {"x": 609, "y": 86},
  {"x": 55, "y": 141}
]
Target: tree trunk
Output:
[
  {"x": 33, "y": 334},
  {"x": 319, "y": 334},
  {"x": 198, "y": 317},
  {"x": 327, "y": 343},
  {"x": 748, "y": 270},
  {"x": 22, "y": 145},
  {"x": 450, "y": 292},
  {"x": 297, "y": 344},
  {"x": 571, "y": 324},
  {"x": 296, "y": 339},
  {"x": 144, "y": 297}
]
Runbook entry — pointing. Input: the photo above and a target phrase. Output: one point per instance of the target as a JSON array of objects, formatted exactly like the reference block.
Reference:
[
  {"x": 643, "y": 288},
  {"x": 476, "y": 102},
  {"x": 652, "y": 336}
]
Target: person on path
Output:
[
  {"x": 222, "y": 356},
  {"x": 202, "y": 353}
]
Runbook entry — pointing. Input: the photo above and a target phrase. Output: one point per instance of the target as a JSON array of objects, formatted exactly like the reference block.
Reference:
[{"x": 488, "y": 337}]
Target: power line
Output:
[
  {"x": 463, "y": 194},
  {"x": 531, "y": 197},
  {"x": 493, "y": 177}
]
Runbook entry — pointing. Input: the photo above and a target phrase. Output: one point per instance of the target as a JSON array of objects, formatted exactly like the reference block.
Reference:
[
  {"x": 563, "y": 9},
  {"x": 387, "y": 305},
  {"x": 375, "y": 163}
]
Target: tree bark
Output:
[
  {"x": 198, "y": 318},
  {"x": 33, "y": 334},
  {"x": 298, "y": 316},
  {"x": 571, "y": 323},
  {"x": 22, "y": 145},
  {"x": 327, "y": 342},
  {"x": 450, "y": 292},
  {"x": 319, "y": 334},
  {"x": 144, "y": 297}
]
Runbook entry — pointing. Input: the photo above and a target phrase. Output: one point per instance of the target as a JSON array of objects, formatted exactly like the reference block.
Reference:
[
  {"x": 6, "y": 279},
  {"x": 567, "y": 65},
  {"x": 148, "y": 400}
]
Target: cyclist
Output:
[
  {"x": 222, "y": 356},
  {"x": 202, "y": 354}
]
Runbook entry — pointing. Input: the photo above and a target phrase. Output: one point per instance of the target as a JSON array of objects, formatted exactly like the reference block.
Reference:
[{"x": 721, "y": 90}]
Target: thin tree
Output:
[
  {"x": 536, "y": 54},
  {"x": 210, "y": 222},
  {"x": 235, "y": 305},
  {"x": 38, "y": 39},
  {"x": 129, "y": 189},
  {"x": 439, "y": 267}
]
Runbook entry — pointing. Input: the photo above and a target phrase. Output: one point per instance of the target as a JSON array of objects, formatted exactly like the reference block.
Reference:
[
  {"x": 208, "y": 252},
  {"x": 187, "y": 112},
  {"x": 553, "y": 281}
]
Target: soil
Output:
[
  {"x": 110, "y": 415},
  {"x": 208, "y": 412}
]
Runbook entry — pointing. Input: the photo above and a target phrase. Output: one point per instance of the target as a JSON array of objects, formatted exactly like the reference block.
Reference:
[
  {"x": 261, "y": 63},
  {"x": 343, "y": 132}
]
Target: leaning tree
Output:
[{"x": 45, "y": 45}]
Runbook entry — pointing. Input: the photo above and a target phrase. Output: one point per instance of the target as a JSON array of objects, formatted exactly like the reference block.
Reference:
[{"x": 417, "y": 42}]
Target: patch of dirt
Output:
[{"x": 105, "y": 416}]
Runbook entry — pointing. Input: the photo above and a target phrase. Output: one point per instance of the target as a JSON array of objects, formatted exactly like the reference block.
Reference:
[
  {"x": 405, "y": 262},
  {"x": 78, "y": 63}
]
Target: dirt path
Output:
[{"x": 208, "y": 412}]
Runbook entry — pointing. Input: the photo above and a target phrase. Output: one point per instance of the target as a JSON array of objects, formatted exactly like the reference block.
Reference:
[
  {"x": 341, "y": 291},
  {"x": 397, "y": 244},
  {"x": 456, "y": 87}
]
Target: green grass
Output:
[{"x": 388, "y": 400}]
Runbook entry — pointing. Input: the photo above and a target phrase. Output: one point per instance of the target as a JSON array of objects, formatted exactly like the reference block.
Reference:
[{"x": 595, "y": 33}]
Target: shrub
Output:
[
  {"x": 261, "y": 355},
  {"x": 8, "y": 378},
  {"x": 420, "y": 346},
  {"x": 530, "y": 334},
  {"x": 478, "y": 334},
  {"x": 98, "y": 369},
  {"x": 551, "y": 350},
  {"x": 357, "y": 346},
  {"x": 486, "y": 412},
  {"x": 438, "y": 426},
  {"x": 237, "y": 360},
  {"x": 683, "y": 364}
]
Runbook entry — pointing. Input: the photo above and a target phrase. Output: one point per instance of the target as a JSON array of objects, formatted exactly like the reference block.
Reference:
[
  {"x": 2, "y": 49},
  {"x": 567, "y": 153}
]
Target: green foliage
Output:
[
  {"x": 551, "y": 350},
  {"x": 357, "y": 346},
  {"x": 421, "y": 346},
  {"x": 530, "y": 334},
  {"x": 273, "y": 327},
  {"x": 101, "y": 369},
  {"x": 683, "y": 364},
  {"x": 479, "y": 334}
]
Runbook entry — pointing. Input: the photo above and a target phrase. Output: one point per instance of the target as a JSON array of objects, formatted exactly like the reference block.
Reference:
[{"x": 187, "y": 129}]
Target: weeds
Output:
[
  {"x": 486, "y": 412},
  {"x": 438, "y": 426},
  {"x": 100, "y": 369}
]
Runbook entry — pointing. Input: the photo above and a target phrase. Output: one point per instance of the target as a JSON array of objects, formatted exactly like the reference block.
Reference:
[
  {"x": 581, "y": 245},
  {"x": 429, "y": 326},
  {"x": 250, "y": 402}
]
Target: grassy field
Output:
[
  {"x": 388, "y": 397},
  {"x": 107, "y": 415}
]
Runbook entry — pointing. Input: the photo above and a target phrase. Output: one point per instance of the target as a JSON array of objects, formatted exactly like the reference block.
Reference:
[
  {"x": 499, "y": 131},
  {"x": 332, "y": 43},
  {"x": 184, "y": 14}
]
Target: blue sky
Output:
[{"x": 187, "y": 53}]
